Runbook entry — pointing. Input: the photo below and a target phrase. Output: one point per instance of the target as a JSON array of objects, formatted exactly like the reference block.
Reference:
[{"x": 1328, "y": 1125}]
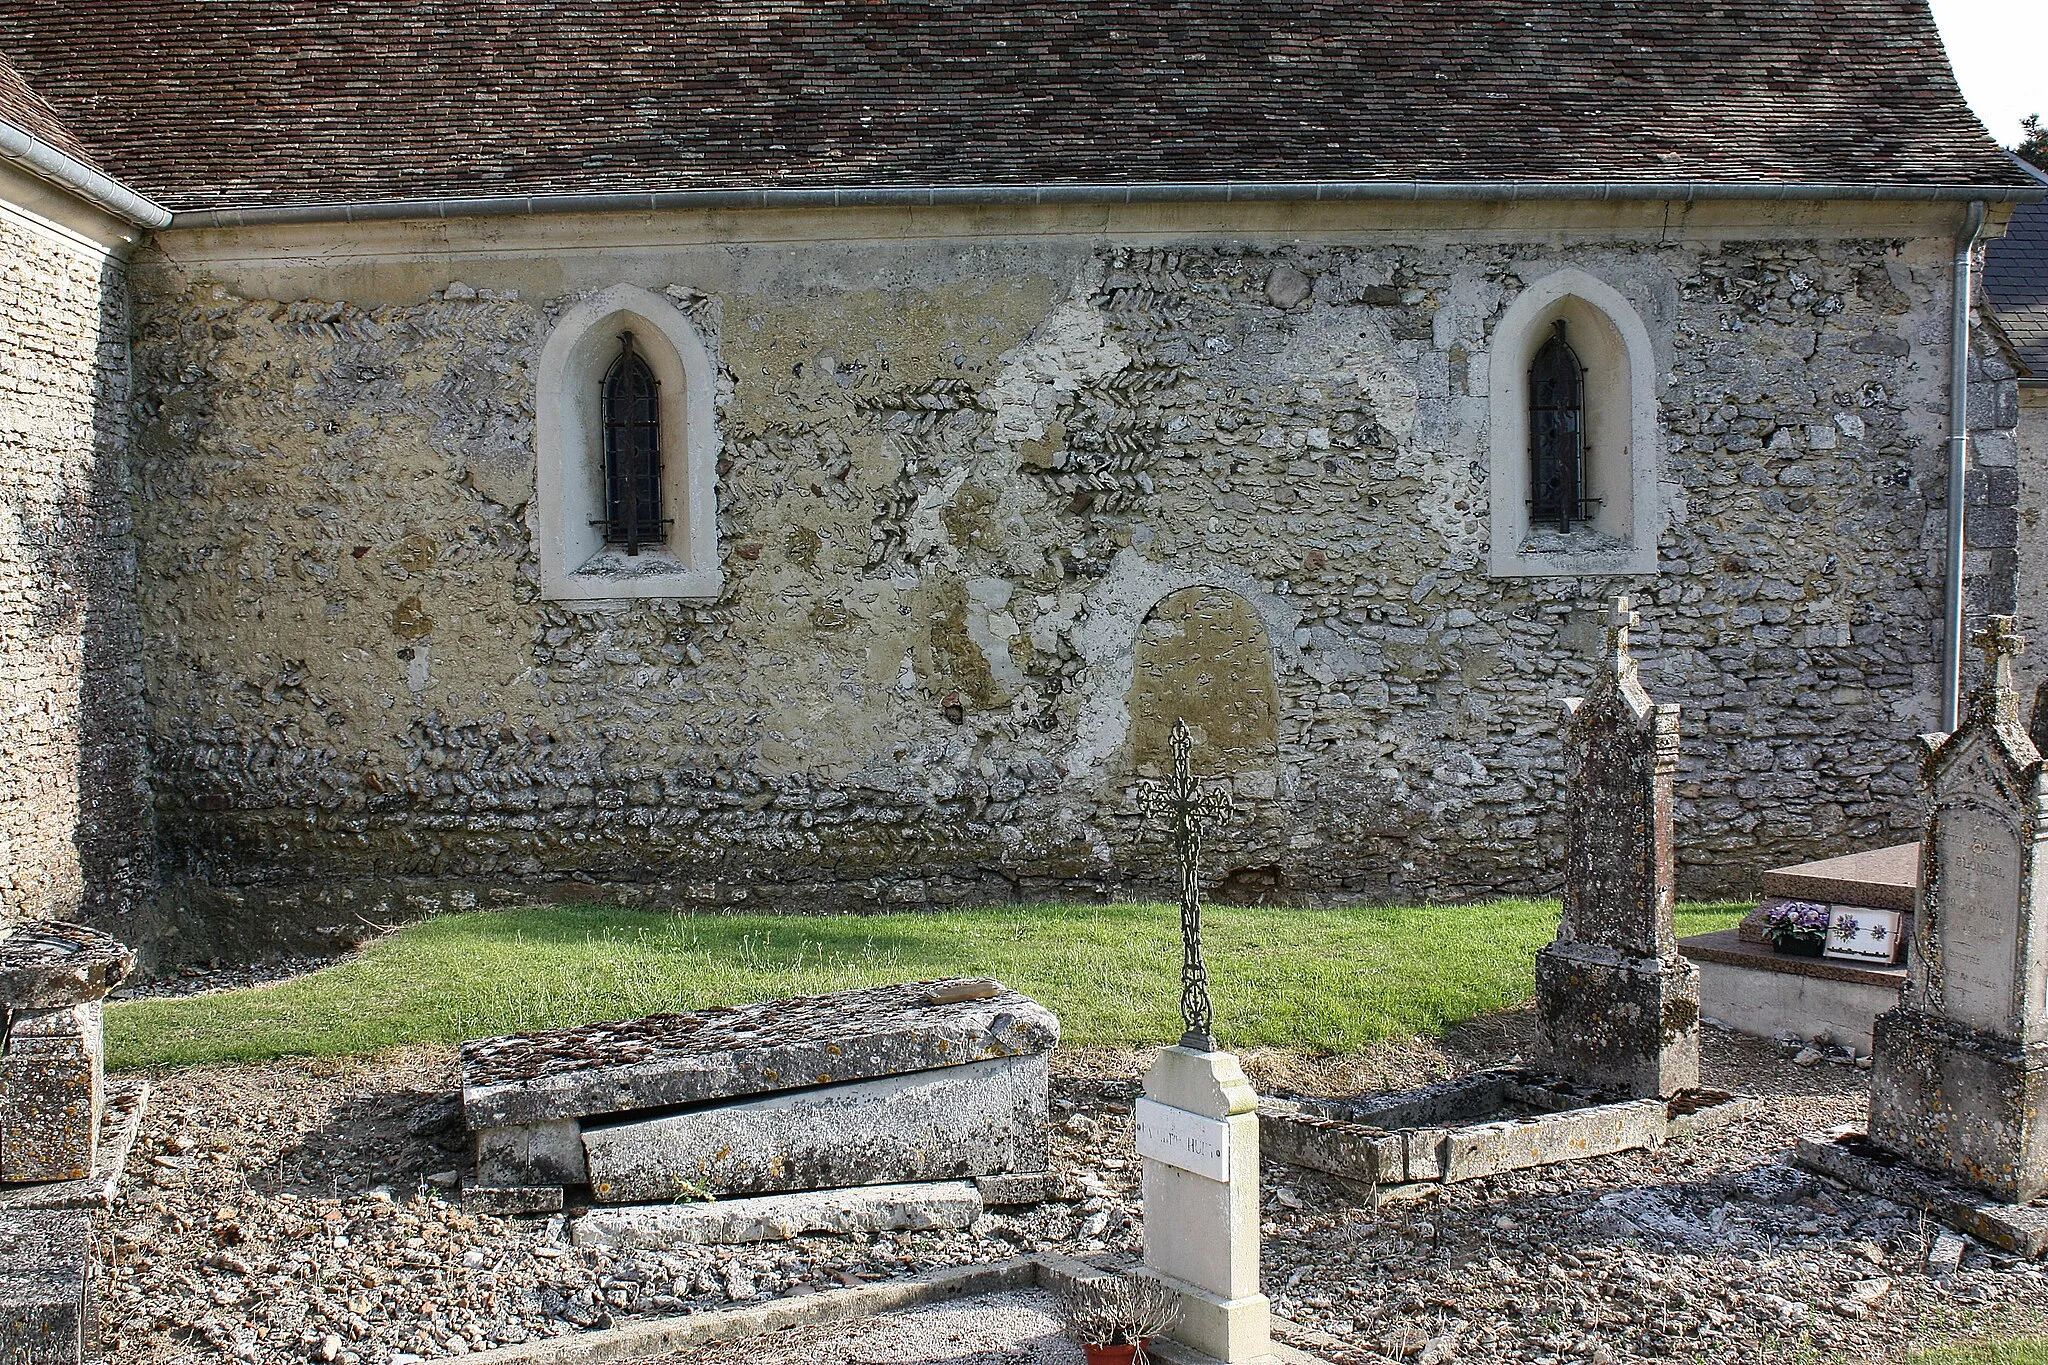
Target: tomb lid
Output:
[
  {"x": 664, "y": 1060},
  {"x": 48, "y": 964},
  {"x": 1880, "y": 878}
]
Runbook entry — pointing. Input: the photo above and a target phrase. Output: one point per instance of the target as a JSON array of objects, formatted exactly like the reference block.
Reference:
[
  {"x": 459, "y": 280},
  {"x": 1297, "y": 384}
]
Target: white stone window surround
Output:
[
  {"x": 1621, "y": 432},
  {"x": 575, "y": 563}
]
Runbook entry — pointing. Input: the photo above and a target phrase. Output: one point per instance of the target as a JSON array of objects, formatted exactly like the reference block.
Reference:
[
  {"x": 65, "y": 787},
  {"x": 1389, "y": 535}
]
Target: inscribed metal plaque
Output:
[
  {"x": 1979, "y": 860},
  {"x": 1185, "y": 1141}
]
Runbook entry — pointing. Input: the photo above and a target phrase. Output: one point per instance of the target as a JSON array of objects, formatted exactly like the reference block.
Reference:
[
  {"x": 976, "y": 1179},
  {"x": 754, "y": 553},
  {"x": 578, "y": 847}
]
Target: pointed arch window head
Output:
[
  {"x": 631, "y": 398},
  {"x": 1557, "y": 436}
]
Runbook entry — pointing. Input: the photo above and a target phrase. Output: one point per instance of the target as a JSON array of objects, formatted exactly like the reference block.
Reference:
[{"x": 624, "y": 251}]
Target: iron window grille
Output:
[
  {"x": 631, "y": 398},
  {"x": 1557, "y": 436}
]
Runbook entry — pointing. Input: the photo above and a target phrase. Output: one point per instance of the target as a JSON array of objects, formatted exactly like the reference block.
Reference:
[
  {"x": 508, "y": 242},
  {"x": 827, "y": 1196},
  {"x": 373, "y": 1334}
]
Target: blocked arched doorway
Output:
[{"x": 1202, "y": 655}]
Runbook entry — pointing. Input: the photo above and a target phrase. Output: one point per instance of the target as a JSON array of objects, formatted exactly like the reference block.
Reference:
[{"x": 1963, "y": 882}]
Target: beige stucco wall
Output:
[{"x": 963, "y": 456}]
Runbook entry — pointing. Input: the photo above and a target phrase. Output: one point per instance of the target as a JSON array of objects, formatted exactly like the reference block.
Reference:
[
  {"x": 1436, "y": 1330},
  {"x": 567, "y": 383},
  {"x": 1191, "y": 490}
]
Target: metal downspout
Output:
[{"x": 1958, "y": 466}]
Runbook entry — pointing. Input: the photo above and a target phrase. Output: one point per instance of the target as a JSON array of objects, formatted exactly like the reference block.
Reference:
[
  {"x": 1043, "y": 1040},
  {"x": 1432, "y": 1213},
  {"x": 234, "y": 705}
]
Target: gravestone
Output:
[
  {"x": 1617, "y": 1004},
  {"x": 1959, "y": 1084},
  {"x": 931, "y": 1081}
]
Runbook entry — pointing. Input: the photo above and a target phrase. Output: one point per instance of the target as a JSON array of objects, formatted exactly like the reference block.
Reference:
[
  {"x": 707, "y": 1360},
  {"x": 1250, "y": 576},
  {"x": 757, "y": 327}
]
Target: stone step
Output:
[{"x": 776, "y": 1217}]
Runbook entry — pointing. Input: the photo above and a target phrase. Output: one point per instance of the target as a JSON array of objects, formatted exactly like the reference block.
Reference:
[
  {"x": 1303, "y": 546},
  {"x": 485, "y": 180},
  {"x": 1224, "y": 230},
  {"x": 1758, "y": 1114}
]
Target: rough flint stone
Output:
[
  {"x": 951, "y": 1123},
  {"x": 666, "y": 1060},
  {"x": 45, "y": 1284}
]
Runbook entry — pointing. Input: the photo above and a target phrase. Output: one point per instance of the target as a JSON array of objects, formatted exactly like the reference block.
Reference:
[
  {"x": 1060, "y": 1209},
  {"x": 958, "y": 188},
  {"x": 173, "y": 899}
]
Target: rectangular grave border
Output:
[
  {"x": 671, "y": 1336},
  {"x": 1479, "y": 1124},
  {"x": 1847, "y": 1156}
]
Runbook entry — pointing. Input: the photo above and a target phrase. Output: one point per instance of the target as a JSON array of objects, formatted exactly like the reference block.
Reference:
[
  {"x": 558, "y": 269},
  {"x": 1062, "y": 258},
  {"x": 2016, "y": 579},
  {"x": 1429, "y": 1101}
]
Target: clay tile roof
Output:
[
  {"x": 2016, "y": 282},
  {"x": 30, "y": 112},
  {"x": 211, "y": 103}
]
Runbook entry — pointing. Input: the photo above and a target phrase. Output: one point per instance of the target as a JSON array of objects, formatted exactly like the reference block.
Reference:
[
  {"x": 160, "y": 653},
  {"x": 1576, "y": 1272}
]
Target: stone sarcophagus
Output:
[
  {"x": 1959, "y": 1082},
  {"x": 1617, "y": 1003},
  {"x": 53, "y": 978},
  {"x": 929, "y": 1081}
]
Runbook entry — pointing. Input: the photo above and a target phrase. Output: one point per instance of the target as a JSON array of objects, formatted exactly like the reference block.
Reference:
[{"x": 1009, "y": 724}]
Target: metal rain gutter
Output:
[
  {"x": 1958, "y": 466},
  {"x": 39, "y": 159},
  {"x": 1150, "y": 192}
]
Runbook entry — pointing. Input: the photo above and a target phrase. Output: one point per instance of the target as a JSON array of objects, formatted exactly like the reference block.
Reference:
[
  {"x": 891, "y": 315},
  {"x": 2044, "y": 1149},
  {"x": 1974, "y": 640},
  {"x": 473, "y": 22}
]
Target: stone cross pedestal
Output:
[
  {"x": 1617, "y": 1004},
  {"x": 1959, "y": 1085},
  {"x": 1198, "y": 1133},
  {"x": 53, "y": 978}
]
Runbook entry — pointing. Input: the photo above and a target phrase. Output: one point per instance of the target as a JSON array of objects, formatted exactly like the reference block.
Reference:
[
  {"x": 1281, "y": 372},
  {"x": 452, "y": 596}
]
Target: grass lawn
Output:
[{"x": 1322, "y": 980}]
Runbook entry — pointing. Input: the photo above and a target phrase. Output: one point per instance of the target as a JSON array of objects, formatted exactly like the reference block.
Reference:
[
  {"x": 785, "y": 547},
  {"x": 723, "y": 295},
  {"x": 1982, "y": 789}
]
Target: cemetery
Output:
[
  {"x": 1028, "y": 684},
  {"x": 936, "y": 1169}
]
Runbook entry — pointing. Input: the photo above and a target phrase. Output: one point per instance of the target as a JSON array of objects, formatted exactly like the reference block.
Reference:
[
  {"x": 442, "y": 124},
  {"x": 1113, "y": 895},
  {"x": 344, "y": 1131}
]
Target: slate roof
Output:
[
  {"x": 210, "y": 103},
  {"x": 30, "y": 112},
  {"x": 2016, "y": 282}
]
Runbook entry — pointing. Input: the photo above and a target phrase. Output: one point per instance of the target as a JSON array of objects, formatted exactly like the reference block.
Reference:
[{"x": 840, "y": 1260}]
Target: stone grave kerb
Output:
[
  {"x": 1959, "y": 1080},
  {"x": 1617, "y": 1003}
]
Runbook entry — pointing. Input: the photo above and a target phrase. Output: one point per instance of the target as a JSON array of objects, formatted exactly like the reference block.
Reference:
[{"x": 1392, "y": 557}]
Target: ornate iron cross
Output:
[{"x": 1187, "y": 805}]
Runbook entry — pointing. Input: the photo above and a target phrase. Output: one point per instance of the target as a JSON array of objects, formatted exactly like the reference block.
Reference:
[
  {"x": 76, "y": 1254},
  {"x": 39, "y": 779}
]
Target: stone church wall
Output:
[
  {"x": 956, "y": 480},
  {"x": 74, "y": 812}
]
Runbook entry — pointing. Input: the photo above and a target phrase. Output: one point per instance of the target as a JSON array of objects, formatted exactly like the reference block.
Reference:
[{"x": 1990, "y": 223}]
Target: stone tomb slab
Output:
[
  {"x": 45, "y": 1286},
  {"x": 666, "y": 1060},
  {"x": 1477, "y": 1125},
  {"x": 1847, "y": 1155},
  {"x": 943, "y": 1124},
  {"x": 927, "y": 1081},
  {"x": 1881, "y": 878}
]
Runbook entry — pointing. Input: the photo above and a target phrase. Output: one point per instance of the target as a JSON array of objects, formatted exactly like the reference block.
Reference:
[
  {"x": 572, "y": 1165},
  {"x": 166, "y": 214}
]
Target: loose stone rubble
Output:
[
  {"x": 895, "y": 1084},
  {"x": 330, "y": 1228}
]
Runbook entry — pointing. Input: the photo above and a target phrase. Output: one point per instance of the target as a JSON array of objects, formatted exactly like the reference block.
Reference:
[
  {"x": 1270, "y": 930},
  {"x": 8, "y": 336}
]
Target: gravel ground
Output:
[{"x": 300, "y": 1211}]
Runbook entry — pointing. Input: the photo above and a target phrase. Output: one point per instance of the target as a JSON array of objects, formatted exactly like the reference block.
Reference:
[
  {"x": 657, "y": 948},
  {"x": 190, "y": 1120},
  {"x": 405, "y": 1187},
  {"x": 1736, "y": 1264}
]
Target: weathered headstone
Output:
[
  {"x": 1959, "y": 1084},
  {"x": 929, "y": 1081},
  {"x": 1617, "y": 1004}
]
